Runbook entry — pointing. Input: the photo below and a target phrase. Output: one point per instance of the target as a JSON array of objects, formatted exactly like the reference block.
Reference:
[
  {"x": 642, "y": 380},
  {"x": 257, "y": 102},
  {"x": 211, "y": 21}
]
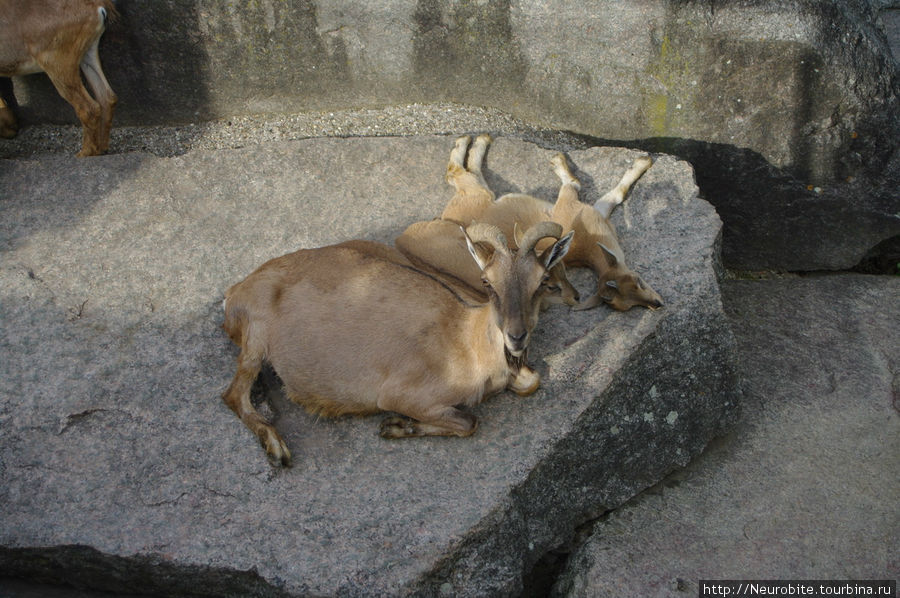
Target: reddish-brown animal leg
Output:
[
  {"x": 446, "y": 421},
  {"x": 61, "y": 39},
  {"x": 237, "y": 397},
  {"x": 8, "y": 124}
]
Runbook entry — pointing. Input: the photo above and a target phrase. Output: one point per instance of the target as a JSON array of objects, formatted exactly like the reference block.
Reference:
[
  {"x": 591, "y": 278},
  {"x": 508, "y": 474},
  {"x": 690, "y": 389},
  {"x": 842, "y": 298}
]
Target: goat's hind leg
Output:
[
  {"x": 472, "y": 195},
  {"x": 615, "y": 196},
  {"x": 475, "y": 159},
  {"x": 62, "y": 60},
  {"x": 569, "y": 185},
  {"x": 561, "y": 168},
  {"x": 237, "y": 397},
  {"x": 103, "y": 93},
  {"x": 457, "y": 161},
  {"x": 66, "y": 77}
]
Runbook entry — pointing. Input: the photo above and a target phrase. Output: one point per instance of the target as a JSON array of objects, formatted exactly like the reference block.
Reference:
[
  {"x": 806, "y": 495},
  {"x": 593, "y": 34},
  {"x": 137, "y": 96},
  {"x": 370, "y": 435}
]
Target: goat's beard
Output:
[{"x": 515, "y": 362}]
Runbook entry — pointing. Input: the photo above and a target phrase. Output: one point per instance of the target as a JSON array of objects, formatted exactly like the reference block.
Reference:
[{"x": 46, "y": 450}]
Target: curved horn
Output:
[
  {"x": 539, "y": 231},
  {"x": 481, "y": 232},
  {"x": 517, "y": 234}
]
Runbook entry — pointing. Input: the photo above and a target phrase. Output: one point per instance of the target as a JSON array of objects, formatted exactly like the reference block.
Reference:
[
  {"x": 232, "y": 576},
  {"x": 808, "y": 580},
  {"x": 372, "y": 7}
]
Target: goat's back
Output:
[{"x": 439, "y": 247}]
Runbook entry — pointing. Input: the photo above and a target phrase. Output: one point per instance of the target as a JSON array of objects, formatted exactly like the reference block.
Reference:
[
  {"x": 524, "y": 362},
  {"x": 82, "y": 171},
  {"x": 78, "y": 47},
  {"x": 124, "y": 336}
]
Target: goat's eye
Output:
[{"x": 485, "y": 282}]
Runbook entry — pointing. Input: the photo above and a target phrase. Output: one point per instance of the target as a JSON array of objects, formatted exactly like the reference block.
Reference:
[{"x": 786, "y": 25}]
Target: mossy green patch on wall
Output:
[
  {"x": 657, "y": 113},
  {"x": 669, "y": 89}
]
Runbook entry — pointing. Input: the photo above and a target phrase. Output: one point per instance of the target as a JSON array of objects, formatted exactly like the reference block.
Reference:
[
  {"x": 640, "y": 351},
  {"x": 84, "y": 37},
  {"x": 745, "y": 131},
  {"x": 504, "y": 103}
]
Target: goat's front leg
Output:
[
  {"x": 237, "y": 397},
  {"x": 9, "y": 127},
  {"x": 438, "y": 421},
  {"x": 524, "y": 381},
  {"x": 472, "y": 195}
]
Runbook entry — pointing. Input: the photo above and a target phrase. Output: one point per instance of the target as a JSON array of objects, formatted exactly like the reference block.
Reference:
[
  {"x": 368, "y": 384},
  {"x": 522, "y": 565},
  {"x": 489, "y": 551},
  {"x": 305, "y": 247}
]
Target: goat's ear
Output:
[
  {"x": 558, "y": 251},
  {"x": 478, "y": 254},
  {"x": 610, "y": 256}
]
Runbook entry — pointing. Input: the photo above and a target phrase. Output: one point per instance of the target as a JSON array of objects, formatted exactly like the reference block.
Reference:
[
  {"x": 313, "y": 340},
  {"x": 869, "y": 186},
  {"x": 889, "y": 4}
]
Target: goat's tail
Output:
[
  {"x": 235, "y": 321},
  {"x": 108, "y": 11}
]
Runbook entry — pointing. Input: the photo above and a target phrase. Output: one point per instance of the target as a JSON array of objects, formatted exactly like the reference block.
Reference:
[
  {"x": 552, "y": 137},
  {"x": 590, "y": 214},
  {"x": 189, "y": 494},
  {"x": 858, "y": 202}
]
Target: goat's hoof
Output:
[
  {"x": 276, "y": 449},
  {"x": 644, "y": 162},
  {"x": 396, "y": 426},
  {"x": 589, "y": 303},
  {"x": 525, "y": 382}
]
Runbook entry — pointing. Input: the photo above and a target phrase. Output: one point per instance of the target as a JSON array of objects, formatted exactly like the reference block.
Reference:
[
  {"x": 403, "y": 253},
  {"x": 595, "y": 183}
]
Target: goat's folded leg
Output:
[
  {"x": 237, "y": 397},
  {"x": 443, "y": 421}
]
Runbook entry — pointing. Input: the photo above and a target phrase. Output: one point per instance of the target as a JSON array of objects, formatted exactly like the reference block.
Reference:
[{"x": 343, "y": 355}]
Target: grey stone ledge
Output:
[{"x": 120, "y": 467}]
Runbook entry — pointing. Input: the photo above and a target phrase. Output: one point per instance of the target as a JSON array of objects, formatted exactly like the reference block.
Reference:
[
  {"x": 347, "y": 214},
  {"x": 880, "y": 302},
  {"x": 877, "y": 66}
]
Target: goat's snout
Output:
[{"x": 516, "y": 342}]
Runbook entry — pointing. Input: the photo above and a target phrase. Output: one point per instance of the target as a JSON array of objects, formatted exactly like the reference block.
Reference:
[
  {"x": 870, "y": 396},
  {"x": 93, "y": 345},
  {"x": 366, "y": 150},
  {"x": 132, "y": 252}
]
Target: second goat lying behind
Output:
[{"x": 432, "y": 244}]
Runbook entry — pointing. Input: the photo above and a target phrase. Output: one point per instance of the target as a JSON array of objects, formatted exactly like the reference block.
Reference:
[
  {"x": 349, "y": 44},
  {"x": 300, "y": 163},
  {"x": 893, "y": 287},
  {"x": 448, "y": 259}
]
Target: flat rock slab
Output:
[
  {"x": 121, "y": 468},
  {"x": 808, "y": 485}
]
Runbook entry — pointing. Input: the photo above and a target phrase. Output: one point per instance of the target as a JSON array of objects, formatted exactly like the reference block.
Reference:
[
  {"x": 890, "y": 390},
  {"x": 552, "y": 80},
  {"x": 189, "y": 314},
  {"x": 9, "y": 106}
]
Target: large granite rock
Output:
[
  {"x": 807, "y": 487},
  {"x": 786, "y": 109},
  {"x": 121, "y": 468}
]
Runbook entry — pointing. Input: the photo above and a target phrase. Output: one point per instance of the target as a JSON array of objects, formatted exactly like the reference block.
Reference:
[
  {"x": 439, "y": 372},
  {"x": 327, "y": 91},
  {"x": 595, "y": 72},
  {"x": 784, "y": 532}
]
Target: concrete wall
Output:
[{"x": 787, "y": 106}]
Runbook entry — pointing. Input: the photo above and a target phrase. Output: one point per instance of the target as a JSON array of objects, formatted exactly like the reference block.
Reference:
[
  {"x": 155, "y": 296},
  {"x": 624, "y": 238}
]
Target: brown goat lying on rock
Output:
[{"x": 353, "y": 328}]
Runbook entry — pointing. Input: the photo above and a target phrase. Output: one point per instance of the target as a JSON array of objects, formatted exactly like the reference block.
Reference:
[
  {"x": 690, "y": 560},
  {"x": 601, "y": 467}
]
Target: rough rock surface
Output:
[
  {"x": 121, "y": 469},
  {"x": 786, "y": 109},
  {"x": 807, "y": 486}
]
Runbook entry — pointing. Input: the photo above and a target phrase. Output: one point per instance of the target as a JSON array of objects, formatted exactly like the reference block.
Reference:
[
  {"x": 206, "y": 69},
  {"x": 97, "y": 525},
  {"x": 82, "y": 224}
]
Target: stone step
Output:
[{"x": 122, "y": 470}]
